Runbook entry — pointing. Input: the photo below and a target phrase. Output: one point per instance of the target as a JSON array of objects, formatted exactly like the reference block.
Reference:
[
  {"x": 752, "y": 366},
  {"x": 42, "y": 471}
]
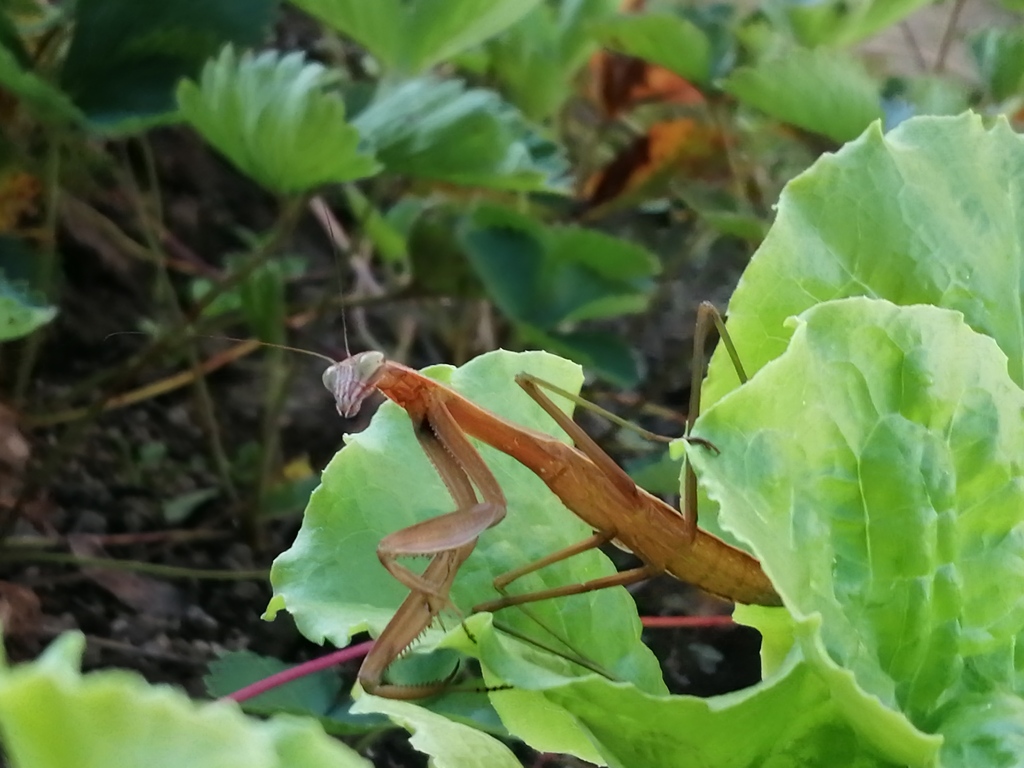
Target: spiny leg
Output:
[
  {"x": 584, "y": 442},
  {"x": 592, "y": 451},
  {"x": 591, "y": 542},
  {"x": 460, "y": 466},
  {"x": 597, "y": 540},
  {"x": 449, "y": 539},
  {"x": 619, "y": 579}
]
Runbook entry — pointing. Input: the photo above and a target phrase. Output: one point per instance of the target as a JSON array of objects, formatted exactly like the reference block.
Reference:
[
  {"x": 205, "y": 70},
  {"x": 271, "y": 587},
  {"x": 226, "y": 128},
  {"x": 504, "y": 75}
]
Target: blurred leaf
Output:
[
  {"x": 298, "y": 468},
  {"x": 411, "y": 36},
  {"x": 115, "y": 718},
  {"x": 937, "y": 96},
  {"x": 440, "y": 266},
  {"x": 548, "y": 275},
  {"x": 999, "y": 54},
  {"x": 745, "y": 226},
  {"x": 11, "y": 41},
  {"x": 613, "y": 276},
  {"x": 46, "y": 102},
  {"x": 683, "y": 146},
  {"x": 260, "y": 297},
  {"x": 275, "y": 119},
  {"x": 660, "y": 38},
  {"x": 438, "y": 130},
  {"x": 837, "y": 22},
  {"x": 823, "y": 91},
  {"x": 288, "y": 497},
  {"x": 21, "y": 312},
  {"x": 507, "y": 254},
  {"x": 384, "y": 231},
  {"x": 126, "y": 57},
  {"x": 151, "y": 454},
  {"x": 657, "y": 474},
  {"x": 604, "y": 354},
  {"x": 535, "y": 60},
  {"x": 178, "y": 509}
]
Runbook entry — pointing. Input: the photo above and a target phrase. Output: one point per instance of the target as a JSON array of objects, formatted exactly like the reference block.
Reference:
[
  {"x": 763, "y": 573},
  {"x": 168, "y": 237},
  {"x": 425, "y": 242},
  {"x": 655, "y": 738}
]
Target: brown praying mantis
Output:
[{"x": 584, "y": 478}]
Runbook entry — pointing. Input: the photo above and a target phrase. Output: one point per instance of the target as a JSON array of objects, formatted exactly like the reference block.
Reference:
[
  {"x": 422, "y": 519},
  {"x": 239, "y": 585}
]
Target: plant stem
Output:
[
  {"x": 154, "y": 569},
  {"x": 204, "y": 400},
  {"x": 299, "y": 671},
  {"x": 278, "y": 375}
]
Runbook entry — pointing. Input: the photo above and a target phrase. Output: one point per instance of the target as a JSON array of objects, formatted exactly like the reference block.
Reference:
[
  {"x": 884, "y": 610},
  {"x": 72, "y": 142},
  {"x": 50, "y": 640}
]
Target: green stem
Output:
[{"x": 278, "y": 374}]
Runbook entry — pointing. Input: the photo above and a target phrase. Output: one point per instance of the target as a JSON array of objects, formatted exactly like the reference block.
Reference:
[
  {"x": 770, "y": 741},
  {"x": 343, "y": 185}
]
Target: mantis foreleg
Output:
[{"x": 448, "y": 539}]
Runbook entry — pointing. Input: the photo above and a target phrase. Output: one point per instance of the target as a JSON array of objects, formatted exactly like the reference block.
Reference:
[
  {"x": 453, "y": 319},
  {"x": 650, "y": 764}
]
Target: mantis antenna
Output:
[{"x": 327, "y": 220}]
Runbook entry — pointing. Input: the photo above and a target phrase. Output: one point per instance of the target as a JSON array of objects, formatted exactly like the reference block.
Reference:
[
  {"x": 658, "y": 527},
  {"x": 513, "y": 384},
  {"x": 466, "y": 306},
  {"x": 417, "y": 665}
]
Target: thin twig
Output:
[
  {"x": 147, "y": 391},
  {"x": 204, "y": 400},
  {"x": 182, "y": 378},
  {"x": 947, "y": 36},
  {"x": 915, "y": 48},
  {"x": 138, "y": 566},
  {"x": 176, "y": 536}
]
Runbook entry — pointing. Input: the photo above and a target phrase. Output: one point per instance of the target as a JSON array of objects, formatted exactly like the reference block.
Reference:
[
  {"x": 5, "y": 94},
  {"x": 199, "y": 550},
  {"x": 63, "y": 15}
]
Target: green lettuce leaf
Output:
[
  {"x": 874, "y": 469},
  {"x": 52, "y": 716},
  {"x": 929, "y": 213}
]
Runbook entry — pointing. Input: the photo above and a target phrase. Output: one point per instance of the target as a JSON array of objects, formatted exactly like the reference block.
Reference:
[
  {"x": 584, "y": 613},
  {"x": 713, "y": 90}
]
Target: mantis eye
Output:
[
  {"x": 352, "y": 380},
  {"x": 331, "y": 376}
]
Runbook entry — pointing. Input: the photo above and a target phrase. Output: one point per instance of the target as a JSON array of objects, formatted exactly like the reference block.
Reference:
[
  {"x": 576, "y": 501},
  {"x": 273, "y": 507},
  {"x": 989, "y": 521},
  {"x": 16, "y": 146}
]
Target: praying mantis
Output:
[{"x": 584, "y": 478}]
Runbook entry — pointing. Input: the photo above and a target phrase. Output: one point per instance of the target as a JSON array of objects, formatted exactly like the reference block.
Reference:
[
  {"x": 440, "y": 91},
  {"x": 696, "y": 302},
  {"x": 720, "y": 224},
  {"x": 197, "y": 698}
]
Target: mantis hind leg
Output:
[
  {"x": 620, "y": 579},
  {"x": 707, "y": 316}
]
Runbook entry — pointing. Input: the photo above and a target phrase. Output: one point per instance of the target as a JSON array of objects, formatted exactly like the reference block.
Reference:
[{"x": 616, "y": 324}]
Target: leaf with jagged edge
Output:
[
  {"x": 412, "y": 37},
  {"x": 275, "y": 117},
  {"x": 837, "y": 22},
  {"x": 823, "y": 91},
  {"x": 665, "y": 39},
  {"x": 126, "y": 58},
  {"x": 441, "y": 131}
]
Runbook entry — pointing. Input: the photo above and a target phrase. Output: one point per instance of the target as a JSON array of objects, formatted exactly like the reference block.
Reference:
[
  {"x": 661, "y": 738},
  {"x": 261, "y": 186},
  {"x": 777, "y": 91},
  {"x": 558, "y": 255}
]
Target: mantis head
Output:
[{"x": 353, "y": 379}]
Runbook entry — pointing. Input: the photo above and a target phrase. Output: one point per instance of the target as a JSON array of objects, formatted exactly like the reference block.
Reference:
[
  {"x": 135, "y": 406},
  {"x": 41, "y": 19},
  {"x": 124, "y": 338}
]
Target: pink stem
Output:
[
  {"x": 358, "y": 651},
  {"x": 300, "y": 670}
]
